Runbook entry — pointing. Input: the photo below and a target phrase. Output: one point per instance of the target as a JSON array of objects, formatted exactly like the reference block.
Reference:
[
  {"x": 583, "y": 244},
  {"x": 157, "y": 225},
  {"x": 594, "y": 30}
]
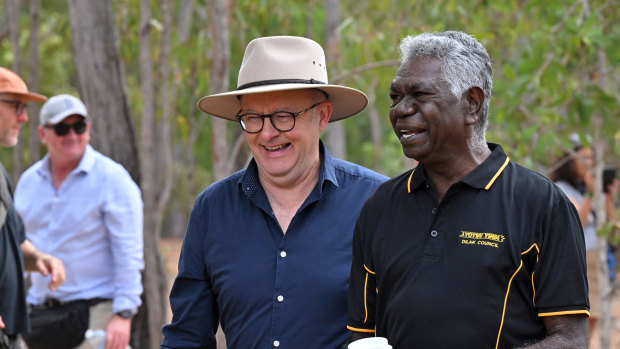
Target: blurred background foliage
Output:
[{"x": 555, "y": 71}]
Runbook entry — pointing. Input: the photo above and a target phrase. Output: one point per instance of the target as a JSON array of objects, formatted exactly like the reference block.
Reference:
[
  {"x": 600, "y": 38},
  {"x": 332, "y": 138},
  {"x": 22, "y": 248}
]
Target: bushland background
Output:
[{"x": 141, "y": 65}]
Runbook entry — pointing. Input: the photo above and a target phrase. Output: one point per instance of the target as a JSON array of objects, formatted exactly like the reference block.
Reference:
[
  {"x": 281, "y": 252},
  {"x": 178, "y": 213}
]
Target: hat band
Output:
[{"x": 279, "y": 81}]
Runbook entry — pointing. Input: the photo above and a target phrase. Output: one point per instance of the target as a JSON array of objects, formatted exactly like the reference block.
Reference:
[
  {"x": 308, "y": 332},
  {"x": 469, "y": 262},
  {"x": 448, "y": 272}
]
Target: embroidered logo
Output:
[{"x": 482, "y": 239}]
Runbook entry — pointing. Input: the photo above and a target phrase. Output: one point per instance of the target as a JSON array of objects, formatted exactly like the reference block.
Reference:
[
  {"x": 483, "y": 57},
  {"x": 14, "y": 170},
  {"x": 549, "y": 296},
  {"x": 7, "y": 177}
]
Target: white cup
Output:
[{"x": 370, "y": 343}]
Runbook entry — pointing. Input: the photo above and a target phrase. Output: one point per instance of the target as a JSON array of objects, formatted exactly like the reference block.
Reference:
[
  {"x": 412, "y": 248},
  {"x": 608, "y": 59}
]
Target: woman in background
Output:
[{"x": 574, "y": 176}]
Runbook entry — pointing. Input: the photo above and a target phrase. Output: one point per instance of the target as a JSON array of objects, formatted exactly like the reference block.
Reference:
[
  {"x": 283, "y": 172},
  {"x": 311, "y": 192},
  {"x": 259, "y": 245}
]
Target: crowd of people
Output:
[{"x": 468, "y": 249}]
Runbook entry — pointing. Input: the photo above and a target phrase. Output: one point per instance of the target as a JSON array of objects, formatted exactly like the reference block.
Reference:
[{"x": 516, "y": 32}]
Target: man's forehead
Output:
[
  {"x": 418, "y": 72},
  {"x": 276, "y": 98}
]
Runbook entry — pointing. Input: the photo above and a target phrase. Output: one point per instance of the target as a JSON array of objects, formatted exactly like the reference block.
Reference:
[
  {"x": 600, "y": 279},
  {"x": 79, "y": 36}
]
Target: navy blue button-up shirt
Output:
[{"x": 266, "y": 288}]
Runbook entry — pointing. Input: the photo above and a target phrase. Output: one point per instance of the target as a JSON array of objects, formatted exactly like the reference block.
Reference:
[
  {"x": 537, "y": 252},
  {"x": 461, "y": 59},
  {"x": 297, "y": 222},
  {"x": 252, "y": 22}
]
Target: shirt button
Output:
[
  {"x": 276, "y": 343},
  {"x": 283, "y": 254},
  {"x": 434, "y": 233},
  {"x": 280, "y": 298},
  {"x": 434, "y": 211}
]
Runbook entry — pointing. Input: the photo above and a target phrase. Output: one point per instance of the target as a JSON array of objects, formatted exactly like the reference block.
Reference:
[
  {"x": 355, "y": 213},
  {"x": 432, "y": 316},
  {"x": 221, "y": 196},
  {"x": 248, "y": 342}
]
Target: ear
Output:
[
  {"x": 41, "y": 132},
  {"x": 325, "y": 113},
  {"x": 473, "y": 105}
]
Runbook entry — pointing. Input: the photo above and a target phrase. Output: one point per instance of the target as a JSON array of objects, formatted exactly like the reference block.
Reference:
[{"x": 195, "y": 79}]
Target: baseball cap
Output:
[
  {"x": 12, "y": 83},
  {"x": 59, "y": 107}
]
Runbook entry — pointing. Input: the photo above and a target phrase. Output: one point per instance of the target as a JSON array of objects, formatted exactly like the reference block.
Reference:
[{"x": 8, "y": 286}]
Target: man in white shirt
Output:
[{"x": 84, "y": 208}]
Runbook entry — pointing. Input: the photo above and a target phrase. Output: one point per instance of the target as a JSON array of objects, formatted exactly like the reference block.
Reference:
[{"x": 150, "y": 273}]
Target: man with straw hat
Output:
[
  {"x": 267, "y": 250},
  {"x": 14, "y": 95}
]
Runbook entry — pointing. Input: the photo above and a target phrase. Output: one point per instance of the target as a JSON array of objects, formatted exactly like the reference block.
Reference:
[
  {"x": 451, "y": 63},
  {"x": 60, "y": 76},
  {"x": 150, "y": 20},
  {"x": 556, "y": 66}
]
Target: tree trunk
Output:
[
  {"x": 103, "y": 88},
  {"x": 336, "y": 137},
  {"x": 601, "y": 217},
  {"x": 34, "y": 145},
  {"x": 147, "y": 332},
  {"x": 101, "y": 81},
  {"x": 220, "y": 65},
  {"x": 375, "y": 126},
  {"x": 184, "y": 21}
]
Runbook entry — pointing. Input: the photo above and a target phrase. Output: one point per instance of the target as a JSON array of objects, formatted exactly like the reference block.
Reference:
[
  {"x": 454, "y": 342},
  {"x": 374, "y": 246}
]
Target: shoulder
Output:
[
  {"x": 221, "y": 189},
  {"x": 390, "y": 189},
  {"x": 358, "y": 173},
  {"x": 109, "y": 167},
  {"x": 533, "y": 185}
]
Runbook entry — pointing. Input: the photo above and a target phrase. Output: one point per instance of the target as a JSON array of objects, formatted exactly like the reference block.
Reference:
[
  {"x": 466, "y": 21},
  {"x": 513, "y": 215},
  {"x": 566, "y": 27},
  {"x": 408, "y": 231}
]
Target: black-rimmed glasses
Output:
[
  {"x": 18, "y": 105},
  {"x": 62, "y": 129},
  {"x": 282, "y": 121}
]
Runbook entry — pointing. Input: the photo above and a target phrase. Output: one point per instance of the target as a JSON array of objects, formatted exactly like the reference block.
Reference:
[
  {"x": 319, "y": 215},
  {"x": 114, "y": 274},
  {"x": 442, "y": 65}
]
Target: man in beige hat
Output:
[
  {"x": 267, "y": 250},
  {"x": 13, "y": 244}
]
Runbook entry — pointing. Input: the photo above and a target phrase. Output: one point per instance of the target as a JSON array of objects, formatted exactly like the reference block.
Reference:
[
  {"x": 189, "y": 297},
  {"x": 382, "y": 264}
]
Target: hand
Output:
[
  {"x": 117, "y": 333},
  {"x": 1, "y": 323},
  {"x": 46, "y": 265}
]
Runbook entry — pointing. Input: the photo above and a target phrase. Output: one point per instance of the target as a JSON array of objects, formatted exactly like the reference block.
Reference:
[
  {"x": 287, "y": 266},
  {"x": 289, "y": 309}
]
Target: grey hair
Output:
[{"x": 465, "y": 64}]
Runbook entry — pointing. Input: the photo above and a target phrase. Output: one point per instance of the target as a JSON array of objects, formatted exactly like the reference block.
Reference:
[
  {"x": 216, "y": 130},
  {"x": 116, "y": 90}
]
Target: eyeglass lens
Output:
[
  {"x": 282, "y": 121},
  {"x": 19, "y": 105},
  {"x": 62, "y": 129}
]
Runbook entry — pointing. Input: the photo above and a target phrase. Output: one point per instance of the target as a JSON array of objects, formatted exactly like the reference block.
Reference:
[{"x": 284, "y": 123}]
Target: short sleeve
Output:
[
  {"x": 362, "y": 285},
  {"x": 560, "y": 279}
]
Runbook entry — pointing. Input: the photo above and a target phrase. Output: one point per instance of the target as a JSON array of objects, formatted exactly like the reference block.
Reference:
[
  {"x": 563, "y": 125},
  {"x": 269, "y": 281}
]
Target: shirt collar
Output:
[
  {"x": 249, "y": 181},
  {"x": 482, "y": 177},
  {"x": 86, "y": 163}
]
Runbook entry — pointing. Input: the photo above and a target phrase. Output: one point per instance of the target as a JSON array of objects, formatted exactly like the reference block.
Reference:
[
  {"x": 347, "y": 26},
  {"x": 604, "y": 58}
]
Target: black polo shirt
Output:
[{"x": 503, "y": 249}]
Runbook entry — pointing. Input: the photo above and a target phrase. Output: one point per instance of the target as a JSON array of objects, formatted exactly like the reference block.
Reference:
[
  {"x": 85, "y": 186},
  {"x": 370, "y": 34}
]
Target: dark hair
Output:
[{"x": 566, "y": 171}]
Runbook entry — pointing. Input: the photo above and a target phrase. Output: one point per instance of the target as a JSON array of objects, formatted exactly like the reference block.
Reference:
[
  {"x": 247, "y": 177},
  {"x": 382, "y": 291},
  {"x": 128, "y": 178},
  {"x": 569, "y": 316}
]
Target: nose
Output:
[
  {"x": 403, "y": 108},
  {"x": 268, "y": 130},
  {"x": 22, "y": 117}
]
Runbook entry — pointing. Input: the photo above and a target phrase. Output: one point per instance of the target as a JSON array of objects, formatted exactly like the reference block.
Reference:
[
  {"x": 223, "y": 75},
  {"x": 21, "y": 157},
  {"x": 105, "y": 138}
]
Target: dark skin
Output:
[{"x": 437, "y": 129}]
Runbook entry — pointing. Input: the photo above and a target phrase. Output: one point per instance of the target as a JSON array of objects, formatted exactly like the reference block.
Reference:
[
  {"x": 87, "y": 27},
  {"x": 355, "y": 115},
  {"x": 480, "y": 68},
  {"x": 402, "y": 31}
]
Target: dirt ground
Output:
[{"x": 172, "y": 247}]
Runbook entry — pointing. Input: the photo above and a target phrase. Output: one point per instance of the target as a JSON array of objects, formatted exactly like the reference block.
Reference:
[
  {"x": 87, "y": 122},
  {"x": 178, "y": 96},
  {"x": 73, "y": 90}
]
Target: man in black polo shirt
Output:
[{"x": 469, "y": 249}]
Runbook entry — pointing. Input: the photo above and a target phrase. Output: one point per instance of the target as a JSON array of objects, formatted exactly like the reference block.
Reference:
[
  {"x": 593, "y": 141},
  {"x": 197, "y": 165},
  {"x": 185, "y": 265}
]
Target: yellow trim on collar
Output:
[
  {"x": 497, "y": 174},
  {"x": 409, "y": 181}
]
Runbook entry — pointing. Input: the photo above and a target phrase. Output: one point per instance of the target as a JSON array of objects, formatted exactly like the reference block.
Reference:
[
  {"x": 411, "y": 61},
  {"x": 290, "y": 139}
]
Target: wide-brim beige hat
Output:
[{"x": 279, "y": 63}]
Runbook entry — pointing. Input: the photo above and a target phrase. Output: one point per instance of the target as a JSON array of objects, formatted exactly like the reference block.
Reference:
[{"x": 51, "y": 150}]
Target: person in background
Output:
[
  {"x": 468, "y": 249},
  {"x": 575, "y": 177},
  {"x": 84, "y": 208},
  {"x": 16, "y": 252},
  {"x": 267, "y": 250}
]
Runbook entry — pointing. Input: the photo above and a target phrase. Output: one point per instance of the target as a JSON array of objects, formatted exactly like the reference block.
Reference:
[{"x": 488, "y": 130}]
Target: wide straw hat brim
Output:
[
  {"x": 284, "y": 63},
  {"x": 345, "y": 101}
]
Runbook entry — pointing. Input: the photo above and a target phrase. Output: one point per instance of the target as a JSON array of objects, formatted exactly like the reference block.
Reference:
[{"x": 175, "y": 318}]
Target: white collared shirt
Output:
[{"x": 92, "y": 223}]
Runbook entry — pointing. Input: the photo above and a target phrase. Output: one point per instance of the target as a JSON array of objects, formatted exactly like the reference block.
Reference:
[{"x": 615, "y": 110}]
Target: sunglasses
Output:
[
  {"x": 62, "y": 129},
  {"x": 18, "y": 105}
]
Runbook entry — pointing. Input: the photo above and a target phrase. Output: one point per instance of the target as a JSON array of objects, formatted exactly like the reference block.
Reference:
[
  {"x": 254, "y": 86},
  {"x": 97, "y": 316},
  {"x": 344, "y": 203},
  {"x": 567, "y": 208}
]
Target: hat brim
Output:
[
  {"x": 28, "y": 97},
  {"x": 346, "y": 101}
]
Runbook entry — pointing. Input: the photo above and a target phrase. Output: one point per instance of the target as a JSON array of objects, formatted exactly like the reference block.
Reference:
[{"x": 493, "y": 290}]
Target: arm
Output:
[
  {"x": 35, "y": 260},
  {"x": 195, "y": 314},
  {"x": 564, "y": 331},
  {"x": 123, "y": 221}
]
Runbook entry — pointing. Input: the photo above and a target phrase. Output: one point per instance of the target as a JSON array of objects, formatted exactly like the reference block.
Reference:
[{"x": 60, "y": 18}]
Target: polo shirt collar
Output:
[
  {"x": 249, "y": 180},
  {"x": 482, "y": 177}
]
